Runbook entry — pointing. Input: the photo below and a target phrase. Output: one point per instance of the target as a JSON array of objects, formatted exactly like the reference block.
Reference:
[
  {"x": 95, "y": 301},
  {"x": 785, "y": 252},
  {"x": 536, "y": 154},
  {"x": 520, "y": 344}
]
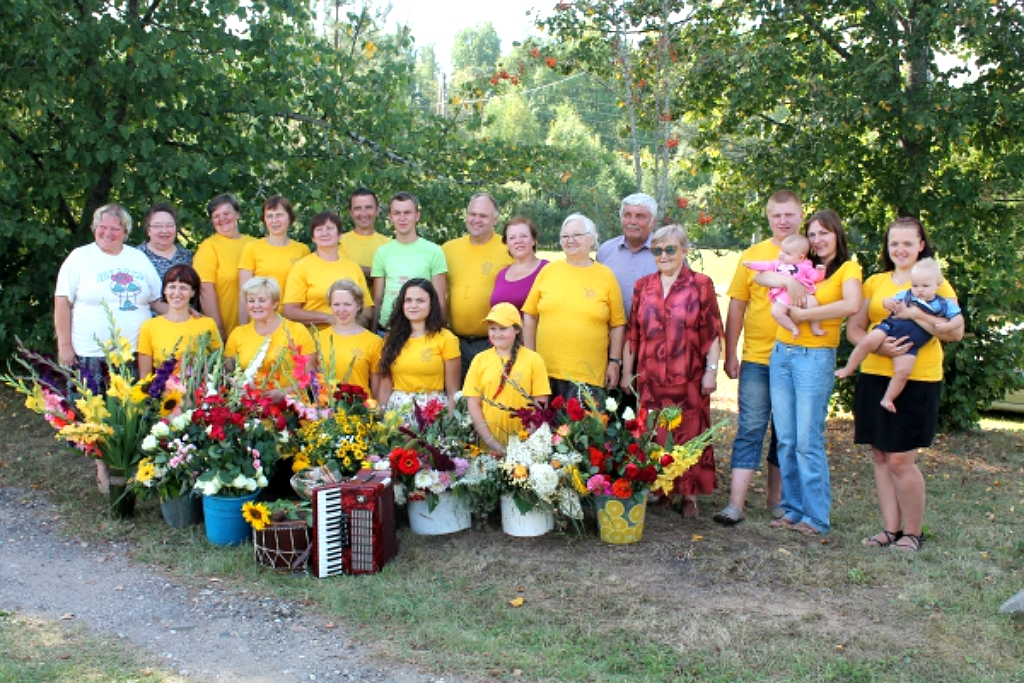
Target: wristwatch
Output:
[{"x": 615, "y": 360}]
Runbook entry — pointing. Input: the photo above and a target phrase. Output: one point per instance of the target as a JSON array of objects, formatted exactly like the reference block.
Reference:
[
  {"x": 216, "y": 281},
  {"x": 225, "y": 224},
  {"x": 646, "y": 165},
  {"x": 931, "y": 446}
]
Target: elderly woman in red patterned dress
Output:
[{"x": 673, "y": 341}]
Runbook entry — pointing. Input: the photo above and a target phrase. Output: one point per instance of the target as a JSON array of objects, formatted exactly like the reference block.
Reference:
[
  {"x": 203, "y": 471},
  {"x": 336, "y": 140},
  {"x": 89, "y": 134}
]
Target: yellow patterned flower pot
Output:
[{"x": 621, "y": 520}]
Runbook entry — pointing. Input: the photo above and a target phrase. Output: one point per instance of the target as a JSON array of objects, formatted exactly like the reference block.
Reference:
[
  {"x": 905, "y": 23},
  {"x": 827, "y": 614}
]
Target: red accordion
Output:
[{"x": 354, "y": 525}]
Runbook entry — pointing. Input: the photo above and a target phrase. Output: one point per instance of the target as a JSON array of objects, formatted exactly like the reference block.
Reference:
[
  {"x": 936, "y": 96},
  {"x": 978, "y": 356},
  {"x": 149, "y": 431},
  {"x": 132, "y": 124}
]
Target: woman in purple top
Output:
[{"x": 513, "y": 283}]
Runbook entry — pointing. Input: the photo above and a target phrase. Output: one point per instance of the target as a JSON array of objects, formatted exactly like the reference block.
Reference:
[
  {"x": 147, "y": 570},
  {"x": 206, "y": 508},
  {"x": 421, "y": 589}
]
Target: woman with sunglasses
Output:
[{"x": 673, "y": 342}]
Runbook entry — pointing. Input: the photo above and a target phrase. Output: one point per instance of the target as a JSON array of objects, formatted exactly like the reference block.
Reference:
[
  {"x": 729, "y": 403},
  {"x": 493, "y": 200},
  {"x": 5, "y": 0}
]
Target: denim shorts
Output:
[{"x": 755, "y": 413}]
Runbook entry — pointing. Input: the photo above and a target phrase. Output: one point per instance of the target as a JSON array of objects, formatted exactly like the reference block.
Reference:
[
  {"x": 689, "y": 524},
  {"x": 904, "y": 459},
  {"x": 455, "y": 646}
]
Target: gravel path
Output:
[{"x": 209, "y": 634}]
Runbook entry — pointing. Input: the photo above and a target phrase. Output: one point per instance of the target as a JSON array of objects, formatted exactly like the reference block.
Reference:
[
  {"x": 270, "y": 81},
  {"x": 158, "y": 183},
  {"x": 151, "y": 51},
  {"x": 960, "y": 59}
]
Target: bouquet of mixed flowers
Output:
[
  {"x": 171, "y": 460},
  {"x": 536, "y": 472},
  {"x": 618, "y": 457},
  {"x": 106, "y": 417},
  {"x": 232, "y": 435},
  {"x": 341, "y": 436},
  {"x": 432, "y": 453},
  {"x": 624, "y": 456}
]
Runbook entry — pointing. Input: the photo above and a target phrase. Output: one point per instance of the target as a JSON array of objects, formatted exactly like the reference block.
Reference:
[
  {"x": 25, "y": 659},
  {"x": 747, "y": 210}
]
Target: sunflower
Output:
[
  {"x": 256, "y": 514},
  {"x": 300, "y": 462},
  {"x": 171, "y": 401}
]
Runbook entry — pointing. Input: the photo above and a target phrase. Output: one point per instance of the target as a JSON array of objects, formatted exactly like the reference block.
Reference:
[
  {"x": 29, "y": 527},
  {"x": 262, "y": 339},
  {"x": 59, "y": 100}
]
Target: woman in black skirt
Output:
[{"x": 895, "y": 437}]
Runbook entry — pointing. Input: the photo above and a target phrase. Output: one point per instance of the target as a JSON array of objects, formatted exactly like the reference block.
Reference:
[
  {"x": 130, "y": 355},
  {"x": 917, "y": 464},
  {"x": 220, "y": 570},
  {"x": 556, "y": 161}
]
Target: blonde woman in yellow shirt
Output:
[
  {"x": 421, "y": 358},
  {"x": 266, "y": 347},
  {"x": 274, "y": 255},
  {"x": 348, "y": 352}
]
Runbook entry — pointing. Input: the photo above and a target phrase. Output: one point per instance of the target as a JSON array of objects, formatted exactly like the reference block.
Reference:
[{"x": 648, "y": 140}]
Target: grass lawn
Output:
[{"x": 692, "y": 601}]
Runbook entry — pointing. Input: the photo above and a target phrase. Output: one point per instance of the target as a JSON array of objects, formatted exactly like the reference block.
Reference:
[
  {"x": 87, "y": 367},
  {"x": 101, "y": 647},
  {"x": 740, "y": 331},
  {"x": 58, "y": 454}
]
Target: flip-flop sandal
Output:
[
  {"x": 729, "y": 516},
  {"x": 915, "y": 543},
  {"x": 876, "y": 542},
  {"x": 805, "y": 529},
  {"x": 781, "y": 523},
  {"x": 777, "y": 512}
]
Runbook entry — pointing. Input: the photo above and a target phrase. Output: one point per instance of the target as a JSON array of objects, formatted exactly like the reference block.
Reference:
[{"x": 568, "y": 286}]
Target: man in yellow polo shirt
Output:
[
  {"x": 750, "y": 312},
  {"x": 473, "y": 263},
  {"x": 362, "y": 242}
]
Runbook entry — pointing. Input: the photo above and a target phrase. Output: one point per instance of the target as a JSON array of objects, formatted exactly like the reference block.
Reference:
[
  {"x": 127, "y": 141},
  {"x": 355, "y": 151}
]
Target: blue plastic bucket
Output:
[{"x": 223, "y": 519}]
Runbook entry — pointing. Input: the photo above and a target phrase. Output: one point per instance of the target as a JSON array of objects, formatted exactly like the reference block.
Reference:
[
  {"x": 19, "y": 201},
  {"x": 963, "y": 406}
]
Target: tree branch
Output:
[
  {"x": 825, "y": 35},
  {"x": 148, "y": 16},
  {"x": 37, "y": 159}
]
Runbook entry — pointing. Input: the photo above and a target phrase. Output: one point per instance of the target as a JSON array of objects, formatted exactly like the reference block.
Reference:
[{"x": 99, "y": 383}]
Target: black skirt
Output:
[{"x": 913, "y": 424}]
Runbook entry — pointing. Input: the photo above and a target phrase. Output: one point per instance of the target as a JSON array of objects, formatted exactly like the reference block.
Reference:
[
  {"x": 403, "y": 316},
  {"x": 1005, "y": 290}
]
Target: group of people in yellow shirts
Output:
[{"x": 424, "y": 329}]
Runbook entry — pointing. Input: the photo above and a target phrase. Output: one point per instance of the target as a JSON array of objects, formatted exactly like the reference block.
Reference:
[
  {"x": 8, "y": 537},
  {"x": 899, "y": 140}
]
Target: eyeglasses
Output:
[
  {"x": 574, "y": 238},
  {"x": 670, "y": 250},
  {"x": 162, "y": 226}
]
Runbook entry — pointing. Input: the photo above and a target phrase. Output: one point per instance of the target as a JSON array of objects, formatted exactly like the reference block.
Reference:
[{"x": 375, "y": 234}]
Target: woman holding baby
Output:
[
  {"x": 801, "y": 368},
  {"x": 896, "y": 431}
]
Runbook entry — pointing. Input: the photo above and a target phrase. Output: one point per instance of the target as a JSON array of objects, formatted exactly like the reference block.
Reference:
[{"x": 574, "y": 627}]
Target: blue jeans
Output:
[
  {"x": 755, "y": 415},
  {"x": 801, "y": 384}
]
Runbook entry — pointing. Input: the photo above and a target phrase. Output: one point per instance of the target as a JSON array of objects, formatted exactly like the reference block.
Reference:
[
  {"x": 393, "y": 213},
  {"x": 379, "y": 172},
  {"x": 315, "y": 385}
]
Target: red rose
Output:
[
  {"x": 632, "y": 471},
  {"x": 574, "y": 409},
  {"x": 633, "y": 449},
  {"x": 667, "y": 460},
  {"x": 596, "y": 457},
  {"x": 557, "y": 402},
  {"x": 648, "y": 474}
]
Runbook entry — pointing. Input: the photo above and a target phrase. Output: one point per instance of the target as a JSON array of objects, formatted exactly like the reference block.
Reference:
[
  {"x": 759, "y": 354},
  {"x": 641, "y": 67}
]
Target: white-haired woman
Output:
[
  {"x": 574, "y": 316},
  {"x": 268, "y": 346},
  {"x": 102, "y": 279},
  {"x": 106, "y": 275},
  {"x": 673, "y": 341}
]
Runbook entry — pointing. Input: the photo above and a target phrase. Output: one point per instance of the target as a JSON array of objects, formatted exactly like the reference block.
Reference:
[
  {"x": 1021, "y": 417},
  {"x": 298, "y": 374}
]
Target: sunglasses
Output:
[{"x": 658, "y": 251}]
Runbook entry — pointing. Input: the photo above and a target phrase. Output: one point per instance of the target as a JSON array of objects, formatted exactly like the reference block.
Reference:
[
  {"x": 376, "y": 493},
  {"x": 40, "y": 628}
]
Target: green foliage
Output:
[
  {"x": 476, "y": 49},
  {"x": 850, "y": 106},
  {"x": 141, "y": 102}
]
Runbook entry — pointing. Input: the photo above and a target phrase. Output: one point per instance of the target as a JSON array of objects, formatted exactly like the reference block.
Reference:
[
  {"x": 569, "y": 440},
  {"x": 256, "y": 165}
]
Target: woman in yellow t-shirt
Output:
[
  {"x": 420, "y": 359},
  {"x": 894, "y": 437},
  {"x": 304, "y": 300},
  {"x": 274, "y": 255},
  {"x": 493, "y": 373},
  {"x": 216, "y": 261},
  {"x": 348, "y": 352},
  {"x": 574, "y": 316},
  {"x": 176, "y": 330},
  {"x": 802, "y": 375},
  {"x": 269, "y": 347}
]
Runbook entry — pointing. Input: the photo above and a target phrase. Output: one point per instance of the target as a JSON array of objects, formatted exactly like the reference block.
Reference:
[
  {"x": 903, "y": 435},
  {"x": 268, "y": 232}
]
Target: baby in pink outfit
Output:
[{"x": 793, "y": 262}]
